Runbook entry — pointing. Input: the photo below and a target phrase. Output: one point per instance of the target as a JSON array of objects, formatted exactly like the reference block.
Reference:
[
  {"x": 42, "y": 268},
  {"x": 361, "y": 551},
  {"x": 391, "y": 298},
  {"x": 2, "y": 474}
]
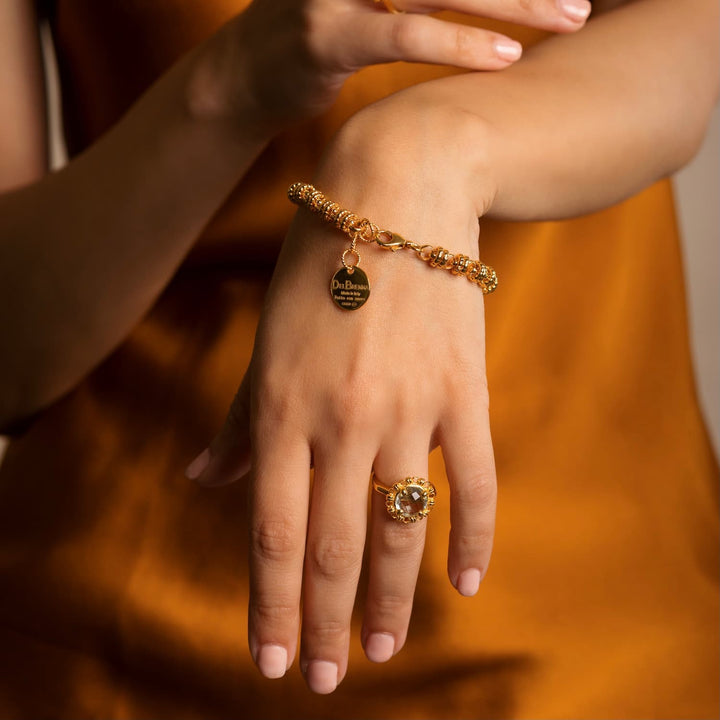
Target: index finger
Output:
[
  {"x": 556, "y": 15},
  {"x": 279, "y": 490}
]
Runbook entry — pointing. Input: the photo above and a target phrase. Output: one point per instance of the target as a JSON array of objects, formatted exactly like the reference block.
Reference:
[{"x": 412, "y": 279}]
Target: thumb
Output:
[{"x": 228, "y": 457}]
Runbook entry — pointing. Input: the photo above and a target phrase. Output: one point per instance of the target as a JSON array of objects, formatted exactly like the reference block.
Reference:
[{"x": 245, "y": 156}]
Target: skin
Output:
[
  {"x": 208, "y": 117},
  {"x": 334, "y": 397}
]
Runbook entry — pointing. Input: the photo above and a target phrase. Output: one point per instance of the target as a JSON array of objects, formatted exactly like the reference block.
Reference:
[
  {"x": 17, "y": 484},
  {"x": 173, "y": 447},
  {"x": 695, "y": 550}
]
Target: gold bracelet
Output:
[{"x": 349, "y": 286}]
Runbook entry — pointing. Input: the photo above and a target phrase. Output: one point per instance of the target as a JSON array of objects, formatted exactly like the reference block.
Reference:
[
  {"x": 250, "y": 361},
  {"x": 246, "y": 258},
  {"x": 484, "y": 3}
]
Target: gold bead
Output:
[
  {"x": 439, "y": 257},
  {"x": 460, "y": 265}
]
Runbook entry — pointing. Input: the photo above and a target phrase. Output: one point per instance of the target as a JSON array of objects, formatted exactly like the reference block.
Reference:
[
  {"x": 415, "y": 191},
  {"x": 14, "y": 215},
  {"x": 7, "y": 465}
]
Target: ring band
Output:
[
  {"x": 390, "y": 7},
  {"x": 408, "y": 500}
]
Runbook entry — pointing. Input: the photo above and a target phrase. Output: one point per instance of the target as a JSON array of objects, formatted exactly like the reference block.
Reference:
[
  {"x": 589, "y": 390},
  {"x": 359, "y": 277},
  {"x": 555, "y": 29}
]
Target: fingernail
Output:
[
  {"x": 322, "y": 676},
  {"x": 195, "y": 469},
  {"x": 575, "y": 9},
  {"x": 507, "y": 49},
  {"x": 468, "y": 582},
  {"x": 379, "y": 647},
  {"x": 272, "y": 661}
]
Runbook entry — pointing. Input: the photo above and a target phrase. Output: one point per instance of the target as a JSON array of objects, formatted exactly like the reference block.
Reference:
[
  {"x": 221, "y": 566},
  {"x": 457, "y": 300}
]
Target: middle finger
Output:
[
  {"x": 554, "y": 15},
  {"x": 335, "y": 542}
]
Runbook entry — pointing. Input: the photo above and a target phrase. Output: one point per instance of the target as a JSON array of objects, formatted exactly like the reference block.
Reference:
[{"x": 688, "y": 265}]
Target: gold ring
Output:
[
  {"x": 408, "y": 500},
  {"x": 390, "y": 7}
]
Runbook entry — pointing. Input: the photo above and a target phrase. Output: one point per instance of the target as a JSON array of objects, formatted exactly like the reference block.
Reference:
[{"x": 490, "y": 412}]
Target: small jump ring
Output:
[
  {"x": 347, "y": 265},
  {"x": 408, "y": 500},
  {"x": 390, "y": 7}
]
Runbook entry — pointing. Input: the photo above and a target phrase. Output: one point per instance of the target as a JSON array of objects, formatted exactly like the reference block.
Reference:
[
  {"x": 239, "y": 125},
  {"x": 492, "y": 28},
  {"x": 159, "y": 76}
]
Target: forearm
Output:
[
  {"x": 85, "y": 251},
  {"x": 585, "y": 120}
]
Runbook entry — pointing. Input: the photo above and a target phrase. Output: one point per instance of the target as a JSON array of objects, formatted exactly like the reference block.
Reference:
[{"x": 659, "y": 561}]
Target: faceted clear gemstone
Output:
[{"x": 411, "y": 500}]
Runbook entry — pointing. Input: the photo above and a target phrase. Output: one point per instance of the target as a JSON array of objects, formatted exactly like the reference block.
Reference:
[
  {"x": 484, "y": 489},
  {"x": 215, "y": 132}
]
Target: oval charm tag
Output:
[{"x": 349, "y": 290}]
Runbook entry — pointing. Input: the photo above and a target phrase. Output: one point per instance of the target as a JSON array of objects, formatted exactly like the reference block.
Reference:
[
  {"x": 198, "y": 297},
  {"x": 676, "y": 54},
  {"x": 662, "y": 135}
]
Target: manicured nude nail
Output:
[
  {"x": 468, "y": 582},
  {"x": 196, "y": 468},
  {"x": 379, "y": 647},
  {"x": 508, "y": 49},
  {"x": 322, "y": 676},
  {"x": 272, "y": 661},
  {"x": 575, "y": 9}
]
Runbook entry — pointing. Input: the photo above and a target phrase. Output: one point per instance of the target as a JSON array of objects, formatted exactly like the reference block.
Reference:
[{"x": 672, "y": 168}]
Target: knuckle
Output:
[
  {"x": 276, "y": 407},
  {"x": 481, "y": 485},
  {"x": 315, "y": 30},
  {"x": 408, "y": 402},
  {"x": 391, "y": 605},
  {"x": 478, "y": 489},
  {"x": 334, "y": 556},
  {"x": 470, "y": 398},
  {"x": 348, "y": 406},
  {"x": 472, "y": 542},
  {"x": 273, "y": 399},
  {"x": 353, "y": 406},
  {"x": 463, "y": 43},
  {"x": 409, "y": 541},
  {"x": 273, "y": 541},
  {"x": 326, "y": 632},
  {"x": 528, "y": 7},
  {"x": 280, "y": 611},
  {"x": 468, "y": 379},
  {"x": 403, "y": 36}
]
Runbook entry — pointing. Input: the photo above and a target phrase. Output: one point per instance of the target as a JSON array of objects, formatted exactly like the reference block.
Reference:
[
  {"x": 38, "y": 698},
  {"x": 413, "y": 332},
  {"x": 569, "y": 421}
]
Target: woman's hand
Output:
[
  {"x": 294, "y": 55},
  {"x": 378, "y": 387}
]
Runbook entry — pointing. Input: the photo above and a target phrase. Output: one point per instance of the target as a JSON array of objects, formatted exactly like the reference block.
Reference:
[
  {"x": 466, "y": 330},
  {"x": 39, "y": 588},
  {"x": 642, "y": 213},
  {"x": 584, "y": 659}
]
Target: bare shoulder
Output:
[{"x": 23, "y": 143}]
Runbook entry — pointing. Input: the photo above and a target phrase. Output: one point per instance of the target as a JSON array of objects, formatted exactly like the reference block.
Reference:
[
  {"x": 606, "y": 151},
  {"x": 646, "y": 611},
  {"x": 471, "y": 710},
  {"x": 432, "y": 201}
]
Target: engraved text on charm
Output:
[{"x": 350, "y": 288}]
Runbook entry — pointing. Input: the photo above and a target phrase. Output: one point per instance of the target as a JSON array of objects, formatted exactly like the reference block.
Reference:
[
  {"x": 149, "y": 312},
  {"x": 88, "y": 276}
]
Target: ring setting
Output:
[{"x": 408, "y": 500}]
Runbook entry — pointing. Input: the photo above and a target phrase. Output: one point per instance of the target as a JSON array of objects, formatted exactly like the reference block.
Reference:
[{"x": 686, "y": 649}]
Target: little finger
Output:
[{"x": 464, "y": 435}]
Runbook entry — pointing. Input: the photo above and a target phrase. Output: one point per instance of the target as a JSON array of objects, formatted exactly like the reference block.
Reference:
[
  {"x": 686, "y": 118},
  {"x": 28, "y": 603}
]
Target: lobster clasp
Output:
[{"x": 391, "y": 241}]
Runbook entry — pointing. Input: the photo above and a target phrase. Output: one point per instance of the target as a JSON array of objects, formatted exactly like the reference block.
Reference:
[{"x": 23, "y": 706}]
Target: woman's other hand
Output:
[
  {"x": 378, "y": 387},
  {"x": 295, "y": 55}
]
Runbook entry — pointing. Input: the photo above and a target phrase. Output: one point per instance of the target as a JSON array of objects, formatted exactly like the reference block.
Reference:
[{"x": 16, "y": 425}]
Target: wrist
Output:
[
  {"x": 415, "y": 167},
  {"x": 265, "y": 81}
]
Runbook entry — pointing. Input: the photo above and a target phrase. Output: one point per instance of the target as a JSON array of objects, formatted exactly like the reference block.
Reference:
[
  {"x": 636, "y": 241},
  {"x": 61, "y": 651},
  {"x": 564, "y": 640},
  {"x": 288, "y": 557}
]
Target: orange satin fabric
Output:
[{"x": 123, "y": 586}]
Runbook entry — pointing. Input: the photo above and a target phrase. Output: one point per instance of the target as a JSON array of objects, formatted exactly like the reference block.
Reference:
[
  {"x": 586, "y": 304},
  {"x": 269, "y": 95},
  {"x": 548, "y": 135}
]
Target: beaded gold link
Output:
[
  {"x": 440, "y": 257},
  {"x": 460, "y": 265},
  {"x": 362, "y": 230}
]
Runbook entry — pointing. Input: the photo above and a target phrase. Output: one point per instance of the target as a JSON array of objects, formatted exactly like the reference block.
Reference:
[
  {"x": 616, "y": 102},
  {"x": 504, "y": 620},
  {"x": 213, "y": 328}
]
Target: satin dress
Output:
[{"x": 123, "y": 586}]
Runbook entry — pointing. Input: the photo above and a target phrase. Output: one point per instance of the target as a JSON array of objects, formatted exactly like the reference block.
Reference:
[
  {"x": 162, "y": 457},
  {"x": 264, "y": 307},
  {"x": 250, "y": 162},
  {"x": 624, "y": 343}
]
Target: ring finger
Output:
[{"x": 395, "y": 550}]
